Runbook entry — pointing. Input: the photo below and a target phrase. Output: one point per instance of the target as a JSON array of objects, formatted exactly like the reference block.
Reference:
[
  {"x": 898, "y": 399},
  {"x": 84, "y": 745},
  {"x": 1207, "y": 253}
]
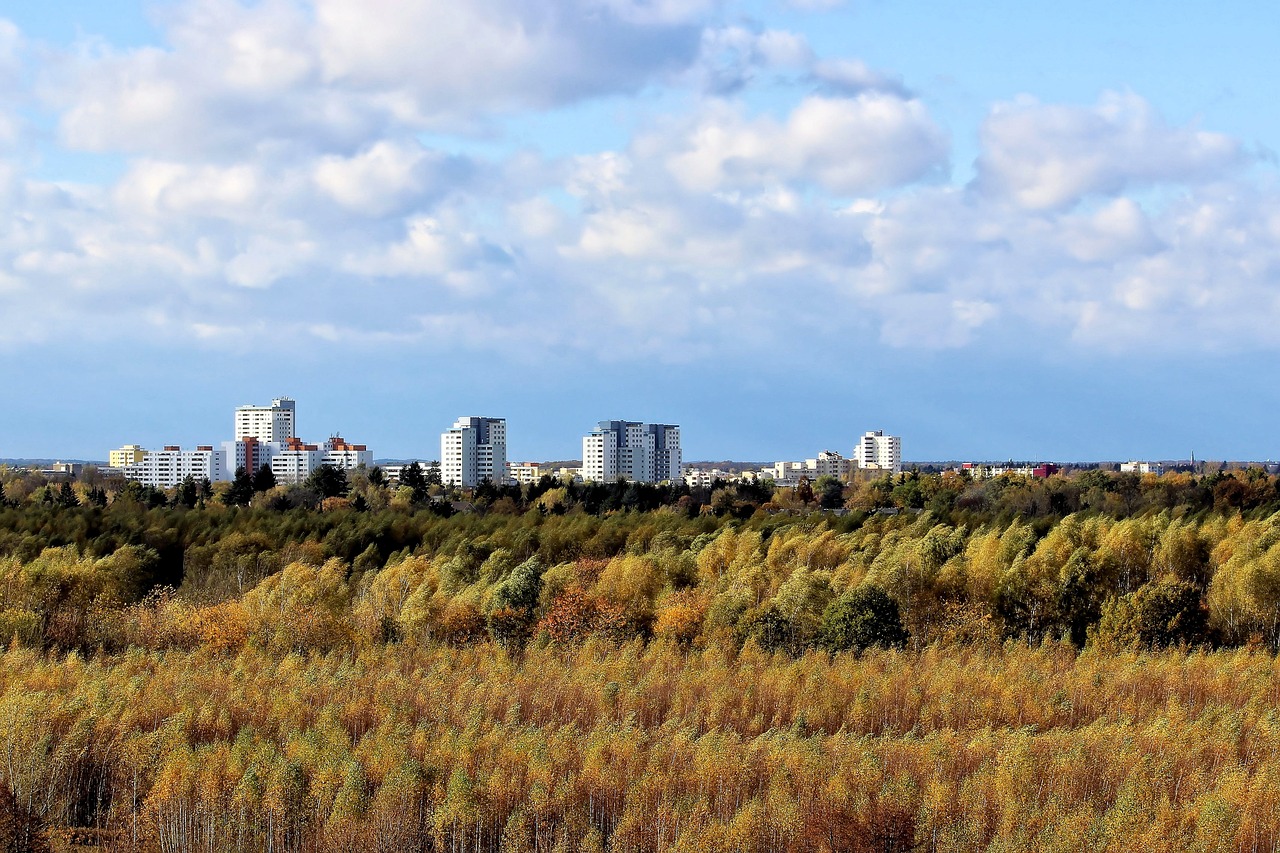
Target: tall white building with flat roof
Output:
[
  {"x": 274, "y": 423},
  {"x": 879, "y": 452},
  {"x": 474, "y": 450},
  {"x": 646, "y": 453}
]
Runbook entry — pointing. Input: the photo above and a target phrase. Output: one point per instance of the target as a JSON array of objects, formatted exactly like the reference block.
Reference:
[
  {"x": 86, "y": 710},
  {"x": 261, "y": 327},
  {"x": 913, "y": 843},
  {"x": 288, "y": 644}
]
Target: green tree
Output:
[
  {"x": 67, "y": 496},
  {"x": 241, "y": 491},
  {"x": 264, "y": 480},
  {"x": 830, "y": 492},
  {"x": 522, "y": 587},
  {"x": 865, "y": 617},
  {"x": 187, "y": 493},
  {"x": 412, "y": 476},
  {"x": 328, "y": 481}
]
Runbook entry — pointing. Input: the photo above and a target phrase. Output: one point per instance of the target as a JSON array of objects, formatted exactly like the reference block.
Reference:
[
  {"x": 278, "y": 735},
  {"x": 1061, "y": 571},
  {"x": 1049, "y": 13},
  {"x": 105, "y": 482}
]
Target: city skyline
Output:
[{"x": 1000, "y": 232}]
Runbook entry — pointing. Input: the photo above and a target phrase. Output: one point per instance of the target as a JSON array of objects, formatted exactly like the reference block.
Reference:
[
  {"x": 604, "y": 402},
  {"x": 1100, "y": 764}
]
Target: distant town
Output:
[{"x": 474, "y": 450}]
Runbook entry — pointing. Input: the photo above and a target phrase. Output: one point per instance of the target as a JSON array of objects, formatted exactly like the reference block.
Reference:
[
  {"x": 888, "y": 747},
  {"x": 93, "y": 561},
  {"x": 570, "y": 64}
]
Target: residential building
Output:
[
  {"x": 164, "y": 469},
  {"x": 264, "y": 435},
  {"x": 296, "y": 460},
  {"x": 828, "y": 463},
  {"x": 474, "y": 450},
  {"x": 250, "y": 454},
  {"x": 667, "y": 459},
  {"x": 984, "y": 471},
  {"x": 293, "y": 461},
  {"x": 392, "y": 472},
  {"x": 705, "y": 477},
  {"x": 524, "y": 472},
  {"x": 1141, "y": 468},
  {"x": 129, "y": 454},
  {"x": 274, "y": 423},
  {"x": 340, "y": 453},
  {"x": 877, "y": 451},
  {"x": 646, "y": 453}
]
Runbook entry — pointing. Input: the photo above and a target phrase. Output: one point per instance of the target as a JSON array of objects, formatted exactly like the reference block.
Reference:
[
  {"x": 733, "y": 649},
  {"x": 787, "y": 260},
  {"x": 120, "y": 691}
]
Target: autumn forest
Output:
[{"x": 920, "y": 662}]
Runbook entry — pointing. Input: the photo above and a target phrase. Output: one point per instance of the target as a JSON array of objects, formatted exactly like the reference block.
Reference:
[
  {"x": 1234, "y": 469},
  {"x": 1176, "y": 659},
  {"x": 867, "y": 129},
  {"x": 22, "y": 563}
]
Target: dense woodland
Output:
[{"x": 919, "y": 662}]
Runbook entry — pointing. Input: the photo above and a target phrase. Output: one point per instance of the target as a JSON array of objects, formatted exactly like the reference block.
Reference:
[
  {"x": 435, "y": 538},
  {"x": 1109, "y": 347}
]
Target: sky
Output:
[{"x": 1002, "y": 231}]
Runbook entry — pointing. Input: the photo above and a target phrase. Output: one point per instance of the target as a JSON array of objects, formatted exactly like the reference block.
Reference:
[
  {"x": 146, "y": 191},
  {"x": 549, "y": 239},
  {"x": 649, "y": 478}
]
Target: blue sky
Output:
[{"x": 1009, "y": 231}]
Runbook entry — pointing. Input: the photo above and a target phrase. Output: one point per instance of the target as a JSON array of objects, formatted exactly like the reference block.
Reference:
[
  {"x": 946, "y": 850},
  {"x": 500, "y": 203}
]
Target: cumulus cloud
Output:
[
  {"x": 432, "y": 248},
  {"x": 847, "y": 146},
  {"x": 388, "y": 177},
  {"x": 276, "y": 170},
  {"x": 332, "y": 74},
  {"x": 1049, "y": 156}
]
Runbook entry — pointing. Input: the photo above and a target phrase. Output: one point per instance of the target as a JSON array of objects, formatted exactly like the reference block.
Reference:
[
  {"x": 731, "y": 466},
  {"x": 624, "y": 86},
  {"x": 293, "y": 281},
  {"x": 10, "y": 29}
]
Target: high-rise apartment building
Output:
[
  {"x": 474, "y": 450},
  {"x": 646, "y": 453},
  {"x": 878, "y": 451},
  {"x": 267, "y": 424}
]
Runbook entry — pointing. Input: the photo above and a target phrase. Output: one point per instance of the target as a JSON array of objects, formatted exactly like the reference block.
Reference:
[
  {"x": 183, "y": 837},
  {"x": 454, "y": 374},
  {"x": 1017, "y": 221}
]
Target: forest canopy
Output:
[{"x": 934, "y": 664}]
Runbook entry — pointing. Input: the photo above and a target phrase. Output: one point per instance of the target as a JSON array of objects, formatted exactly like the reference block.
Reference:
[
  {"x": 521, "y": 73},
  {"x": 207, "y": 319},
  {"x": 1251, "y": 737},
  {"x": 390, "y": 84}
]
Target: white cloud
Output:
[
  {"x": 440, "y": 249},
  {"x": 386, "y": 178},
  {"x": 1119, "y": 229},
  {"x": 332, "y": 74},
  {"x": 1049, "y": 156},
  {"x": 847, "y": 146},
  {"x": 160, "y": 189},
  {"x": 277, "y": 172}
]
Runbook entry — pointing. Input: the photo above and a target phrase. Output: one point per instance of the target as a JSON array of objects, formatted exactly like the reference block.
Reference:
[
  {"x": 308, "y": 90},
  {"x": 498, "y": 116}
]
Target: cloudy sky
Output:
[{"x": 998, "y": 234}]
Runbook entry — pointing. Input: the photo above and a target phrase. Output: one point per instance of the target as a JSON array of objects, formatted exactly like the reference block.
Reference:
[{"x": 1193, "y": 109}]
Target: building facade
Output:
[
  {"x": 265, "y": 436},
  {"x": 828, "y": 463},
  {"x": 274, "y": 423},
  {"x": 646, "y": 453},
  {"x": 392, "y": 472},
  {"x": 524, "y": 472},
  {"x": 294, "y": 460},
  {"x": 129, "y": 454},
  {"x": 474, "y": 450},
  {"x": 164, "y": 469},
  {"x": 879, "y": 452}
]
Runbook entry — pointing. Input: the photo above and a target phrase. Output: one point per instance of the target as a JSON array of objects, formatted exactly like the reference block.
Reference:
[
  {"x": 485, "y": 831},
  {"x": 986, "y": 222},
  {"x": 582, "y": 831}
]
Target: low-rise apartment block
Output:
[
  {"x": 164, "y": 469},
  {"x": 524, "y": 472}
]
